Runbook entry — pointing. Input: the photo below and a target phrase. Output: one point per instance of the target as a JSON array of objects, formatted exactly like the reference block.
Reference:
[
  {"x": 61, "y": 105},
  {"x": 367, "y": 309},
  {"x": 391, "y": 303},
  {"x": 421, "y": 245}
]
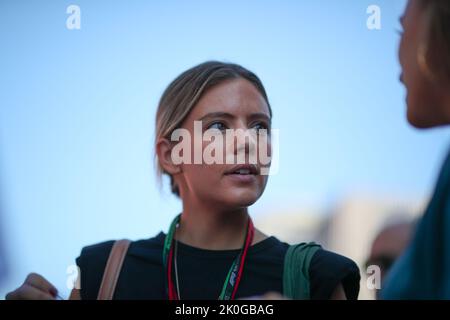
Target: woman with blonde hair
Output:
[{"x": 212, "y": 250}]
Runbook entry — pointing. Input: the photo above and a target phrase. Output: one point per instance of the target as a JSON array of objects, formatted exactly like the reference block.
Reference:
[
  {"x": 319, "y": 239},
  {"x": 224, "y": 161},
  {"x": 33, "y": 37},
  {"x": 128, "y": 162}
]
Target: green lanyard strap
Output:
[{"x": 234, "y": 275}]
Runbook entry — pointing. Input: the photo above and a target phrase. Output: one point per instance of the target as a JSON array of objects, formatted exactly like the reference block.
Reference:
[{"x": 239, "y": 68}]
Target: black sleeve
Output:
[
  {"x": 91, "y": 263},
  {"x": 327, "y": 270}
]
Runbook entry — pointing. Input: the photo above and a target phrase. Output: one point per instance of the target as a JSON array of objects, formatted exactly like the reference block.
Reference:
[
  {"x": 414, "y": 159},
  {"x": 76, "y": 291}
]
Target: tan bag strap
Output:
[{"x": 112, "y": 269}]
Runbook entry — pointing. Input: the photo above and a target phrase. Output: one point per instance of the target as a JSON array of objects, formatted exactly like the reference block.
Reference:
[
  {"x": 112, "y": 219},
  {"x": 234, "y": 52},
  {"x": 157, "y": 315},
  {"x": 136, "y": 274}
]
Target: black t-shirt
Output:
[{"x": 202, "y": 272}]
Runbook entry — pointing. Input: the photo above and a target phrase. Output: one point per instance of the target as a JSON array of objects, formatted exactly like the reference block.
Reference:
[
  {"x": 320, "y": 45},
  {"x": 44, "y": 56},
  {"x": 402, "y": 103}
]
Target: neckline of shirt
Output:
[{"x": 184, "y": 248}]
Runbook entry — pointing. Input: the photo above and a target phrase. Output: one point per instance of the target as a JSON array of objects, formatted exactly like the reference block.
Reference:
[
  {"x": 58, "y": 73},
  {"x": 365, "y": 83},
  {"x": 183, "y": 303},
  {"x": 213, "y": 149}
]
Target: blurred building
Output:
[
  {"x": 348, "y": 227},
  {"x": 291, "y": 226}
]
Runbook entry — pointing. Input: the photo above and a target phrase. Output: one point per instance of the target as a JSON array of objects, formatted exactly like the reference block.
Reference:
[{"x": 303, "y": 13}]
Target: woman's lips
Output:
[
  {"x": 242, "y": 178},
  {"x": 243, "y": 169},
  {"x": 243, "y": 173}
]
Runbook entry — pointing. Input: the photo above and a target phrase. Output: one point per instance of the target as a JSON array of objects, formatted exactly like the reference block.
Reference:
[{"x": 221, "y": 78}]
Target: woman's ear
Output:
[{"x": 164, "y": 153}]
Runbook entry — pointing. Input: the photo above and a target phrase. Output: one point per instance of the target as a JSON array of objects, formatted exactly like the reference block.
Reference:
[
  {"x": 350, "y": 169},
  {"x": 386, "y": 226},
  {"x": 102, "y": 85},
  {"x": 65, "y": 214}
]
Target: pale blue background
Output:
[{"x": 77, "y": 113}]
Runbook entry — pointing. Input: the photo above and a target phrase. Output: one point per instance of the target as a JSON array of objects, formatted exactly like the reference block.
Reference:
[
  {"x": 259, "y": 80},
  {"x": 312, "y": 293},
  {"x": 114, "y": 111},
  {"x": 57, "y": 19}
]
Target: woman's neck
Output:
[{"x": 214, "y": 230}]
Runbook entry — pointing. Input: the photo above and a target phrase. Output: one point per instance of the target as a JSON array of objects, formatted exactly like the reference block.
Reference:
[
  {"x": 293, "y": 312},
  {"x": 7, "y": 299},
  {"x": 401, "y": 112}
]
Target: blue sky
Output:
[{"x": 77, "y": 113}]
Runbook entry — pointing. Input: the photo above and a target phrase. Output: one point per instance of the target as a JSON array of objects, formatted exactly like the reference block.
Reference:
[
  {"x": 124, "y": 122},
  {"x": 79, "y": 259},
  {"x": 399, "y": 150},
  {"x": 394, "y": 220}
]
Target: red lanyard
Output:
[{"x": 234, "y": 274}]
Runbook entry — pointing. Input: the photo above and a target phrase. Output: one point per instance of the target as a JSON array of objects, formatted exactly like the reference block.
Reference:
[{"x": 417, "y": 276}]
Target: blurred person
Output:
[
  {"x": 388, "y": 245},
  {"x": 3, "y": 271},
  {"x": 3, "y": 258},
  {"x": 212, "y": 250},
  {"x": 422, "y": 272}
]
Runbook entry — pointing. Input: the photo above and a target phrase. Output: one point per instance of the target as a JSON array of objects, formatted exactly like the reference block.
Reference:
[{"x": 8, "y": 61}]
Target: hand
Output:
[{"x": 35, "y": 287}]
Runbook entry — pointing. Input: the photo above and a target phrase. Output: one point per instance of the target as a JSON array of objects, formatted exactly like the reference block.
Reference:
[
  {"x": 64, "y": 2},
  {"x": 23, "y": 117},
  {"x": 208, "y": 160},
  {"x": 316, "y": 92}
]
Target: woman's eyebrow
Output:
[
  {"x": 216, "y": 115},
  {"x": 230, "y": 116},
  {"x": 260, "y": 115}
]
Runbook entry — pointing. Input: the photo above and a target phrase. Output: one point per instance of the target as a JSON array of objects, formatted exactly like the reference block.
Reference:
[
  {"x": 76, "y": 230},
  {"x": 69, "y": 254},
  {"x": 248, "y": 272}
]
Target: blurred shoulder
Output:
[
  {"x": 329, "y": 269},
  {"x": 93, "y": 259},
  {"x": 101, "y": 250}
]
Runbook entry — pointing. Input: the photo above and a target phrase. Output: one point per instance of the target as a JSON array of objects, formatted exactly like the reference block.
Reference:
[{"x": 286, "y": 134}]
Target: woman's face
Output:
[
  {"x": 234, "y": 104},
  {"x": 425, "y": 98}
]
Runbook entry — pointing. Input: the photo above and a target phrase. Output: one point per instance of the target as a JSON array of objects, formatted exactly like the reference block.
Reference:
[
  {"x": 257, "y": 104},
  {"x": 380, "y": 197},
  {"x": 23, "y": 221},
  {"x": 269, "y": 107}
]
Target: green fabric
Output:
[{"x": 296, "y": 270}]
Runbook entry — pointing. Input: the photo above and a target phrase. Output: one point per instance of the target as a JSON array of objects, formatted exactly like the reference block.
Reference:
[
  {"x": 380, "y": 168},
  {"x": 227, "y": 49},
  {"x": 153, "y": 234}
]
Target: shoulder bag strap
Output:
[{"x": 112, "y": 269}]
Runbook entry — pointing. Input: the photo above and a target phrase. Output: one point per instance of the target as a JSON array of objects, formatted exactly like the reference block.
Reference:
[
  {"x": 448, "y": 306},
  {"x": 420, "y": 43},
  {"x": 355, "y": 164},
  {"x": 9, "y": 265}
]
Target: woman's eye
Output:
[
  {"x": 217, "y": 125},
  {"x": 260, "y": 126}
]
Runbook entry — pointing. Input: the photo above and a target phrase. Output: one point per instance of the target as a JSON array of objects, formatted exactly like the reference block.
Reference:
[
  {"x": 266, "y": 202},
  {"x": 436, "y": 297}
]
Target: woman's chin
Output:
[
  {"x": 241, "y": 198},
  {"x": 419, "y": 120}
]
